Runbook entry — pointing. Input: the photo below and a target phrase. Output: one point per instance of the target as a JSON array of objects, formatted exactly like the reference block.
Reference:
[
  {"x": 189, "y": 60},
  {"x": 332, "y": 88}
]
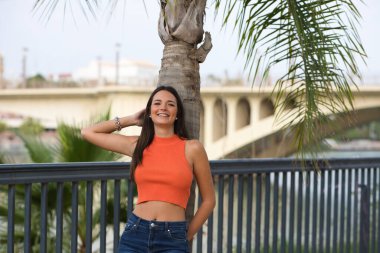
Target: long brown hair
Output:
[{"x": 147, "y": 131}]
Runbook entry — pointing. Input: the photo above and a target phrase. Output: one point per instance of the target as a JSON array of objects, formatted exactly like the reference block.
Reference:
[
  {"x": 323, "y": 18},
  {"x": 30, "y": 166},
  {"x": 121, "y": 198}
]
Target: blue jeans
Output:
[{"x": 142, "y": 236}]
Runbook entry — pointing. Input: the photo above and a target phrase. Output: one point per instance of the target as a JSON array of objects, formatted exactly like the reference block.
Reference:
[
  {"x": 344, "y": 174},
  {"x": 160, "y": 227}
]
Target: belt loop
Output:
[
  {"x": 138, "y": 221},
  {"x": 166, "y": 225}
]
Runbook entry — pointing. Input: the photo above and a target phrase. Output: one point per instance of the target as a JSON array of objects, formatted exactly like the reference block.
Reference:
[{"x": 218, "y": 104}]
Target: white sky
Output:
[{"x": 62, "y": 46}]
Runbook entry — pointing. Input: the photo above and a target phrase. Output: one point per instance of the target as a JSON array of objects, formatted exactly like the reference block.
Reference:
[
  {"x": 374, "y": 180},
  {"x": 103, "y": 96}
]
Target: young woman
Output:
[{"x": 164, "y": 162}]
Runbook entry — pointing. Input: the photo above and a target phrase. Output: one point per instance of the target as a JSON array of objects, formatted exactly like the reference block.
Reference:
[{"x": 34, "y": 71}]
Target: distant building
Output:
[
  {"x": 130, "y": 73},
  {"x": 65, "y": 77},
  {"x": 11, "y": 119}
]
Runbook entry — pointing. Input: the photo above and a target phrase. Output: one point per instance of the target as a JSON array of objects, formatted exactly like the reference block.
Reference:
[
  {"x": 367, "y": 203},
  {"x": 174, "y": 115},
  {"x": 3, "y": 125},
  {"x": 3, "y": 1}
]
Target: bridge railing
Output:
[{"x": 263, "y": 205}]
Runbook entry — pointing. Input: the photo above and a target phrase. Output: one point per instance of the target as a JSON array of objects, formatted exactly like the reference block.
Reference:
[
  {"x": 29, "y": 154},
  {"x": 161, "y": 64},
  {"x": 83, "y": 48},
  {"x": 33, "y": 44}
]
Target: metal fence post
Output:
[{"x": 364, "y": 219}]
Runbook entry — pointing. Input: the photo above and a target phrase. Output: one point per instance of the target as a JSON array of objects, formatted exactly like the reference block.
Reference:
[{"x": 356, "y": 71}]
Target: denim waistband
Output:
[{"x": 157, "y": 225}]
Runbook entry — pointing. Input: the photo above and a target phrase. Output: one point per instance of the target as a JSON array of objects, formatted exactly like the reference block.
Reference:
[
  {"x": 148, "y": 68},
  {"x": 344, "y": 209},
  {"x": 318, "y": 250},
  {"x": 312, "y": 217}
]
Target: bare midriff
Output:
[{"x": 159, "y": 211}]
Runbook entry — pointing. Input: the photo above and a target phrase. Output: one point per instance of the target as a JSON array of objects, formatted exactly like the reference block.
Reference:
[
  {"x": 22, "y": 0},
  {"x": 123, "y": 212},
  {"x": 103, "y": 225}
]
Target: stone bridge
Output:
[{"x": 234, "y": 120}]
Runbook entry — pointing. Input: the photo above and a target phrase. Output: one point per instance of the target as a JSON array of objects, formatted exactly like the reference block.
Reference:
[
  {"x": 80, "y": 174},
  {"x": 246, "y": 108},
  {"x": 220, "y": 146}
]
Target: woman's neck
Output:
[{"x": 163, "y": 132}]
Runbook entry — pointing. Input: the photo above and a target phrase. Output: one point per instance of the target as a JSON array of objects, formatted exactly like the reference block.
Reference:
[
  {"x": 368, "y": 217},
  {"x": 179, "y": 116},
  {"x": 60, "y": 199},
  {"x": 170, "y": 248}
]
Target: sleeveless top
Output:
[{"x": 164, "y": 174}]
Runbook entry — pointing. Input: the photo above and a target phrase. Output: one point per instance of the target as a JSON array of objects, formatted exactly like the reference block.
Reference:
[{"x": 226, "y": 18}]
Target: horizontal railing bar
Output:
[
  {"x": 68, "y": 165},
  {"x": 66, "y": 172},
  {"x": 62, "y": 172},
  {"x": 269, "y": 165}
]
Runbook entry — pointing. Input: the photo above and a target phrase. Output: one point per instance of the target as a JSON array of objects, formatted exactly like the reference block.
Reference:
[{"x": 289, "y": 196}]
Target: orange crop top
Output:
[{"x": 164, "y": 174}]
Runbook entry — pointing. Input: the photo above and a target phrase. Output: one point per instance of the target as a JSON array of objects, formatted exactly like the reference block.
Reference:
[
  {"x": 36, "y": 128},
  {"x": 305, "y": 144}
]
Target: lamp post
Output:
[
  {"x": 24, "y": 60},
  {"x": 100, "y": 82},
  {"x": 2, "y": 83},
  {"x": 117, "y": 55}
]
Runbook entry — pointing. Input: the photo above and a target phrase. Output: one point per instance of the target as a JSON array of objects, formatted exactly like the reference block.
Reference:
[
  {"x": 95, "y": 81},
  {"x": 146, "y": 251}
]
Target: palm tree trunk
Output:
[
  {"x": 181, "y": 30},
  {"x": 181, "y": 72}
]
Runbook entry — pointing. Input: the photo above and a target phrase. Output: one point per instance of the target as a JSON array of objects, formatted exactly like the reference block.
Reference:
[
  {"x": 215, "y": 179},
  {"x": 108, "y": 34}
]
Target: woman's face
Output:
[{"x": 163, "y": 110}]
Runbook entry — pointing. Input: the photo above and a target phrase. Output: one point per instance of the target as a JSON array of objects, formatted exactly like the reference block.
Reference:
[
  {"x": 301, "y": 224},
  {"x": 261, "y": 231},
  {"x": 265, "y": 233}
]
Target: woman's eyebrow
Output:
[{"x": 159, "y": 100}]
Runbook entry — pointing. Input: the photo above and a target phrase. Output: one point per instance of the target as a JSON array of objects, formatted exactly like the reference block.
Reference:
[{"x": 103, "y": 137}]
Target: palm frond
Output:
[
  {"x": 39, "y": 152},
  {"x": 319, "y": 43},
  {"x": 2, "y": 158},
  {"x": 73, "y": 148},
  {"x": 46, "y": 8}
]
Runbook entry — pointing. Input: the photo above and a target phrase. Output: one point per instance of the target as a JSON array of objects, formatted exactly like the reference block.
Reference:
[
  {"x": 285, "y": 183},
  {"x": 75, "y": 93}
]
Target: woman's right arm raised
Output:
[{"x": 102, "y": 135}]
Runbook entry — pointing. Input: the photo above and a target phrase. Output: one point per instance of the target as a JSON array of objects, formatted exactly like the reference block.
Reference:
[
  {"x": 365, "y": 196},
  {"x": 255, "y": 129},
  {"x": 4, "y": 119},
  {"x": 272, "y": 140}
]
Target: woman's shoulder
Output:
[
  {"x": 196, "y": 154},
  {"x": 193, "y": 145}
]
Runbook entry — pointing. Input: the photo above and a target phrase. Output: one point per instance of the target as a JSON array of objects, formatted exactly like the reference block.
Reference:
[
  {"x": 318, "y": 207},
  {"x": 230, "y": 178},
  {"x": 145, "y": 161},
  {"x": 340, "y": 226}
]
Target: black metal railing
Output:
[{"x": 263, "y": 205}]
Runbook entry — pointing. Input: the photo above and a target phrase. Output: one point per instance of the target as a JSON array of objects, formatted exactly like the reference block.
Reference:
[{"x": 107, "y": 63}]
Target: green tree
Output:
[
  {"x": 36, "y": 81},
  {"x": 31, "y": 126},
  {"x": 3, "y": 126},
  {"x": 72, "y": 148},
  {"x": 2, "y": 159}
]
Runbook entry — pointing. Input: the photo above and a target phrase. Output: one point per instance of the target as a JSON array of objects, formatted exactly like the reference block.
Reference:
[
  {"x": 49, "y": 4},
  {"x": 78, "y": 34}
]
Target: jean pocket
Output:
[
  {"x": 130, "y": 226},
  {"x": 176, "y": 234}
]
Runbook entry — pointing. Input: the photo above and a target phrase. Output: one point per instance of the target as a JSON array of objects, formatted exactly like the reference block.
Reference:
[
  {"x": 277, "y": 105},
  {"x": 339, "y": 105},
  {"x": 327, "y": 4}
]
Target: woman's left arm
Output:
[{"x": 202, "y": 173}]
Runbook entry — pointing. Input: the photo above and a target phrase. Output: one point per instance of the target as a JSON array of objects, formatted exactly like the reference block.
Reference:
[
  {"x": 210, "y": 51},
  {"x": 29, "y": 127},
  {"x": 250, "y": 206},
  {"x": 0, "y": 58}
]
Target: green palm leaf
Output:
[
  {"x": 318, "y": 42},
  {"x": 39, "y": 152},
  {"x": 74, "y": 149},
  {"x": 70, "y": 148},
  {"x": 2, "y": 158}
]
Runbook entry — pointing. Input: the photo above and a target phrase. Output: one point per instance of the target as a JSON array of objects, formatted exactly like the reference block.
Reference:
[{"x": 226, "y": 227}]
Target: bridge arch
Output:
[
  {"x": 243, "y": 116},
  {"x": 266, "y": 108},
  {"x": 278, "y": 142},
  {"x": 219, "y": 119}
]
